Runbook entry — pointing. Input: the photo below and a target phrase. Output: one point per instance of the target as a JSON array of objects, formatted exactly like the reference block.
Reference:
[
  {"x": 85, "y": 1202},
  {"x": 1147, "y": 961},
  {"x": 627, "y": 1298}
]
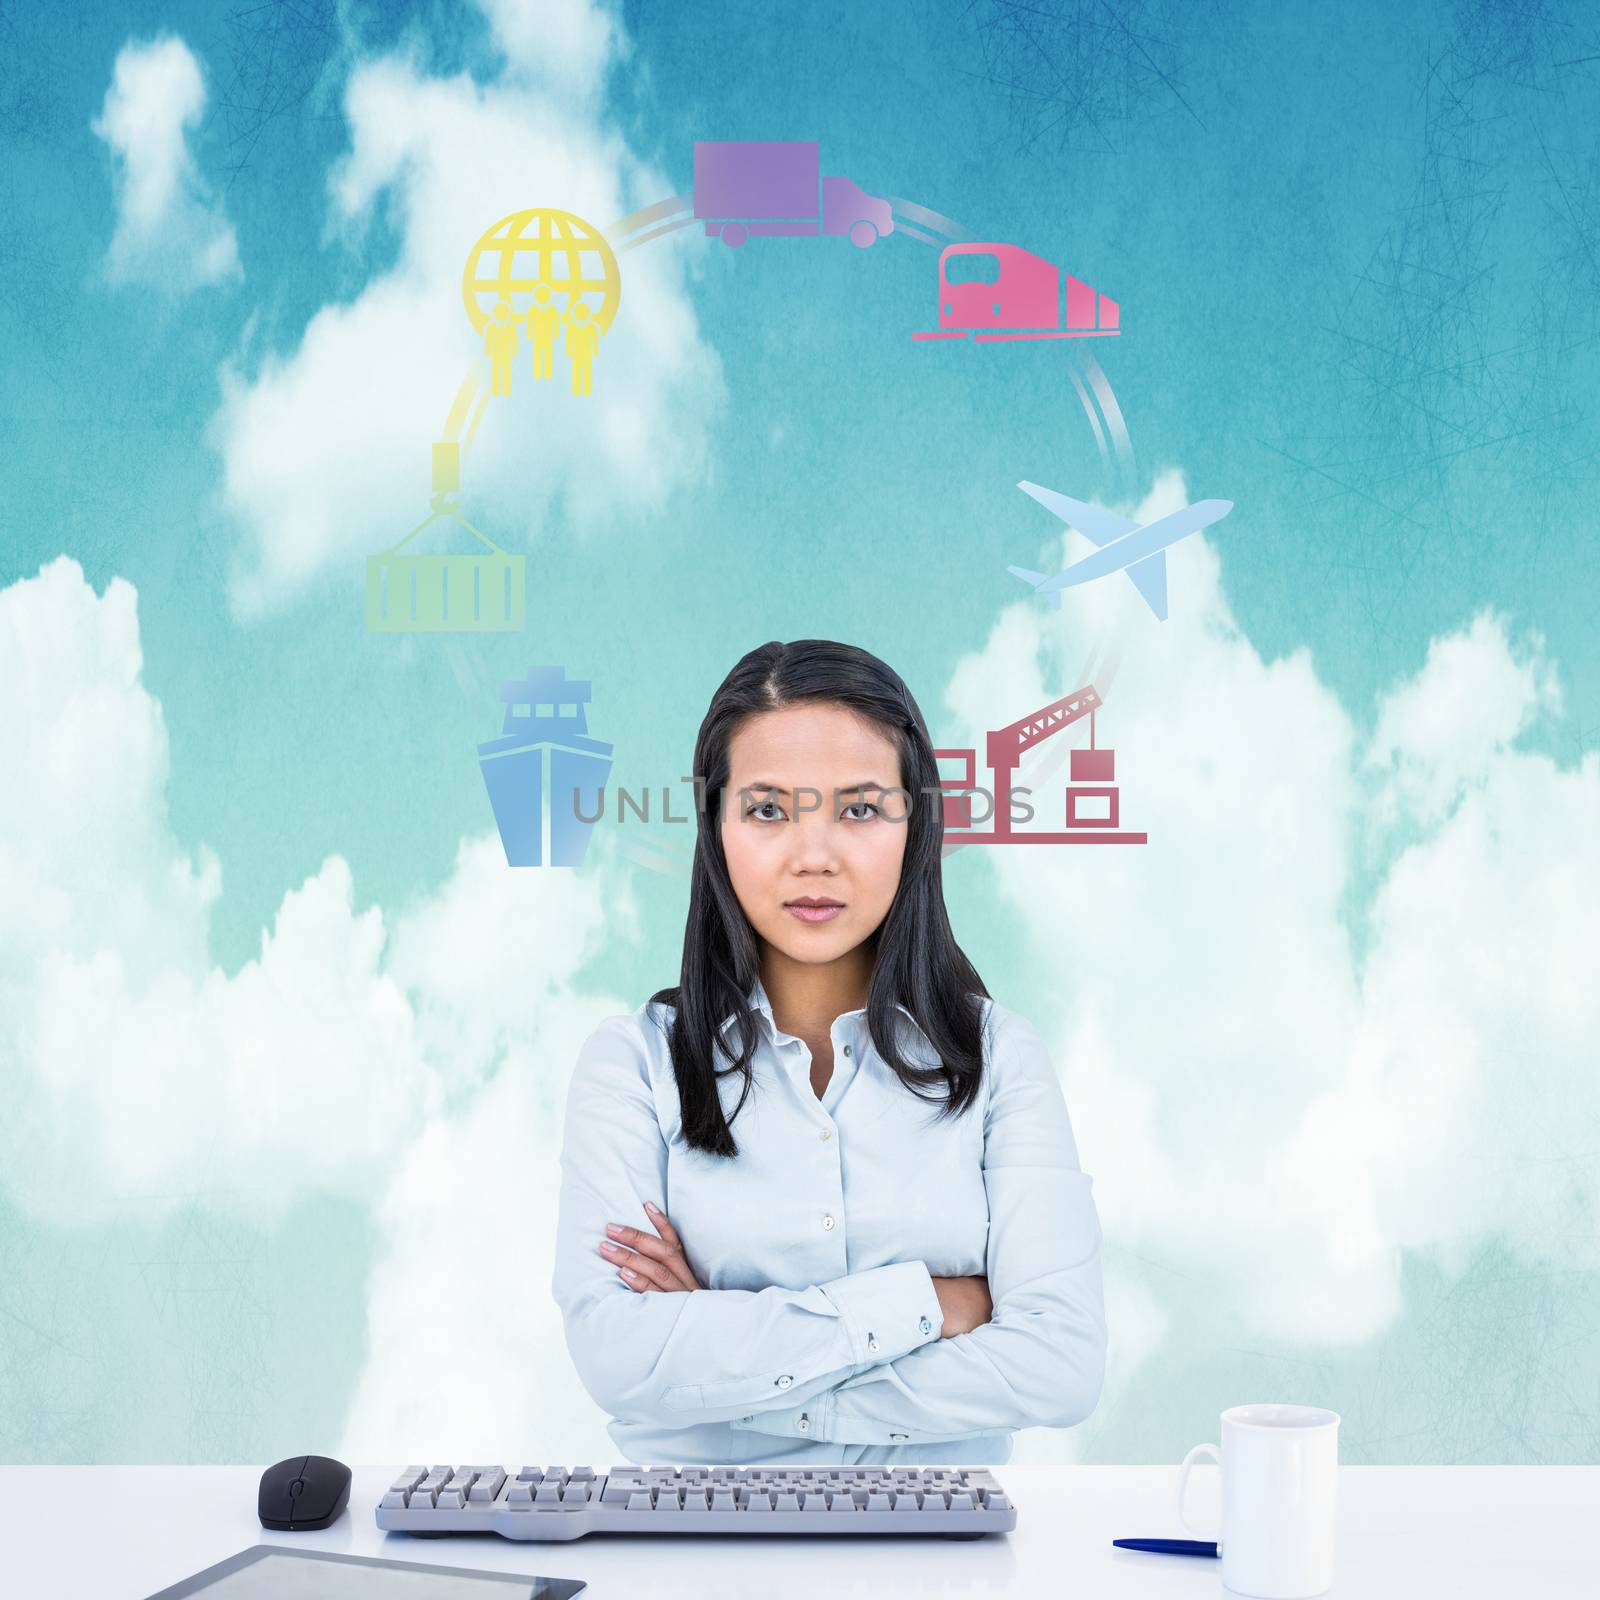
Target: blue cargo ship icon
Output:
[{"x": 544, "y": 773}]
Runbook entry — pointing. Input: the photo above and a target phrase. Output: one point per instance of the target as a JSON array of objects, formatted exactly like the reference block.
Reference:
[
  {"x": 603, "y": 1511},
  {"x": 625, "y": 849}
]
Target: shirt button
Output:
[
  {"x": 825, "y": 1135},
  {"x": 872, "y": 1341},
  {"x": 847, "y": 1049},
  {"x": 785, "y": 1381},
  {"x": 804, "y": 1423},
  {"x": 827, "y": 1222},
  {"x": 926, "y": 1327}
]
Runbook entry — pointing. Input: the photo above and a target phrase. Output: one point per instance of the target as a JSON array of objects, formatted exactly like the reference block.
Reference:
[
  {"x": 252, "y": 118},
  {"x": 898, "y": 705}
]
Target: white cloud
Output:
[
  {"x": 85, "y": 851},
  {"x": 467, "y": 1242},
  {"x": 492, "y": 962},
  {"x": 1439, "y": 733},
  {"x": 565, "y": 47},
  {"x": 427, "y": 1065},
  {"x": 1273, "y": 1120},
  {"x": 170, "y": 231},
  {"x": 141, "y": 1065},
  {"x": 326, "y": 449}
]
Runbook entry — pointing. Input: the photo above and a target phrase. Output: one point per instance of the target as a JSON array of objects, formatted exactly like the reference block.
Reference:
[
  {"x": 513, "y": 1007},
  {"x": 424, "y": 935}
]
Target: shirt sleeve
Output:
[
  {"x": 1040, "y": 1359},
  {"x": 710, "y": 1355}
]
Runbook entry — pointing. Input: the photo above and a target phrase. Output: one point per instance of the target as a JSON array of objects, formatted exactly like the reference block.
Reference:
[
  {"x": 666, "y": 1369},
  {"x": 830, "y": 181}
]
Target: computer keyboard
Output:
[{"x": 568, "y": 1502}]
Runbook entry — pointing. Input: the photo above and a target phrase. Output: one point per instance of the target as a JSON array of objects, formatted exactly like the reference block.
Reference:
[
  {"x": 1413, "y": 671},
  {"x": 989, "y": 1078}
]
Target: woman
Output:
[{"x": 861, "y": 1235}]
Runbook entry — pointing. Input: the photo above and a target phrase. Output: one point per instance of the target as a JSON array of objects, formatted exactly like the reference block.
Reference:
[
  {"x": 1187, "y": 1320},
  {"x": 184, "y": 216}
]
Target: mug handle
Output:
[{"x": 1183, "y": 1480}]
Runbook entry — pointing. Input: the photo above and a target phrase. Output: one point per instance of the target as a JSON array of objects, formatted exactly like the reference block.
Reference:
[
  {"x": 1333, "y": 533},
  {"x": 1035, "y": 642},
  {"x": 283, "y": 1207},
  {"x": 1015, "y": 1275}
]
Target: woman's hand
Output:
[
  {"x": 650, "y": 1263},
  {"x": 966, "y": 1304}
]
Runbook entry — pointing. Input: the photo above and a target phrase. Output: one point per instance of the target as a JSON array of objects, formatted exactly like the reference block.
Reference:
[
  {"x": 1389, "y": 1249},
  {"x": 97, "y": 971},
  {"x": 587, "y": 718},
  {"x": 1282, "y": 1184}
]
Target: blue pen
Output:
[{"x": 1170, "y": 1547}]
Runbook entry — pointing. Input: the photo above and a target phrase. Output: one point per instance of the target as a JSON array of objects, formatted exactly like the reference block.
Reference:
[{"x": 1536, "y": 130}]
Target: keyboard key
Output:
[
  {"x": 395, "y": 1500},
  {"x": 487, "y": 1485},
  {"x": 640, "y": 1500}
]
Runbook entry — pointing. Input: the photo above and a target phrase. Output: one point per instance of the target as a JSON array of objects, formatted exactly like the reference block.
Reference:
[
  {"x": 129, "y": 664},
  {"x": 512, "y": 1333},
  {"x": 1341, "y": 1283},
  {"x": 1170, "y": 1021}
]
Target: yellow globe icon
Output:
[{"x": 569, "y": 256}]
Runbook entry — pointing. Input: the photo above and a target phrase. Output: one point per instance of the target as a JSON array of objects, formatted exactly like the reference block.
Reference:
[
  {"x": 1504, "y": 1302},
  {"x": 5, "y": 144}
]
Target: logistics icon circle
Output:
[
  {"x": 1123, "y": 545},
  {"x": 538, "y": 276},
  {"x": 546, "y": 774},
  {"x": 528, "y": 248},
  {"x": 775, "y": 187},
  {"x": 992, "y": 292}
]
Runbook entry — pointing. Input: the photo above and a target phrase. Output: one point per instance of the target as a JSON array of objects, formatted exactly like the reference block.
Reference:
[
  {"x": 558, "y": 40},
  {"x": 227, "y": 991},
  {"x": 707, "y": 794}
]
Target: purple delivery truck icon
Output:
[{"x": 744, "y": 187}]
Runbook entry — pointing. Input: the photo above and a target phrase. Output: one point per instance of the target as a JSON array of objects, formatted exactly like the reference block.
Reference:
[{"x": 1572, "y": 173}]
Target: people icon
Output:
[
  {"x": 544, "y": 322},
  {"x": 583, "y": 344},
  {"x": 500, "y": 339}
]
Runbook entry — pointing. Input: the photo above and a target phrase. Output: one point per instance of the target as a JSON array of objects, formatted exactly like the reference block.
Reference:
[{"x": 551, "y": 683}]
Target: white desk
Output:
[{"x": 1516, "y": 1533}]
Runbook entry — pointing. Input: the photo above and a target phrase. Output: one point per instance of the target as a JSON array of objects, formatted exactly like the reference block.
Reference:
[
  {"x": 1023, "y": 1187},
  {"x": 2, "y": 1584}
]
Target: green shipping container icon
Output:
[{"x": 482, "y": 592}]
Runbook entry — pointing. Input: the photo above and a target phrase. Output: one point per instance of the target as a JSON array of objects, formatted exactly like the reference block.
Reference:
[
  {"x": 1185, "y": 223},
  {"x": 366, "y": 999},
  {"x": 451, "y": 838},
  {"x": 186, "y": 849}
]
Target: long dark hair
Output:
[{"x": 917, "y": 962}]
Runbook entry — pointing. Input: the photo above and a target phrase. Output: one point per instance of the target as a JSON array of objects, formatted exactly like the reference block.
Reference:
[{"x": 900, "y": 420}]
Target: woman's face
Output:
[{"x": 784, "y": 844}]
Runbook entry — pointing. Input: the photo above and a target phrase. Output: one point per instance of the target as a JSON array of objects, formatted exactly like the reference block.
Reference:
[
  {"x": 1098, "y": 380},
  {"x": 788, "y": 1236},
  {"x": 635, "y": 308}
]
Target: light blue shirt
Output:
[{"x": 817, "y": 1336}]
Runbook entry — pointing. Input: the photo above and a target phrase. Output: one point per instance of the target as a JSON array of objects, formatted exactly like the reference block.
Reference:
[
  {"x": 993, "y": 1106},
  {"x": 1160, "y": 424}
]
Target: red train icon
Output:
[{"x": 1010, "y": 293}]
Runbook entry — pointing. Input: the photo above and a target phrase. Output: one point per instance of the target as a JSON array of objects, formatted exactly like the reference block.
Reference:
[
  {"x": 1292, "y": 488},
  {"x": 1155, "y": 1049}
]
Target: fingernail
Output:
[
  {"x": 608, "y": 1249},
  {"x": 627, "y": 1272},
  {"x": 651, "y": 1209},
  {"x": 613, "y": 1230}
]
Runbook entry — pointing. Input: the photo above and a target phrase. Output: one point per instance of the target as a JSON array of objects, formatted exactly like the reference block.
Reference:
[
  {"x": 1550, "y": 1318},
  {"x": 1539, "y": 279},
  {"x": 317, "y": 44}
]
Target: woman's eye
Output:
[{"x": 762, "y": 810}]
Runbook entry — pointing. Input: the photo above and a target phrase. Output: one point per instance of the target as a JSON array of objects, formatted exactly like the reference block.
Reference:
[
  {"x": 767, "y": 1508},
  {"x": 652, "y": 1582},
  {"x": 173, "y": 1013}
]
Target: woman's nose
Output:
[{"x": 813, "y": 840}]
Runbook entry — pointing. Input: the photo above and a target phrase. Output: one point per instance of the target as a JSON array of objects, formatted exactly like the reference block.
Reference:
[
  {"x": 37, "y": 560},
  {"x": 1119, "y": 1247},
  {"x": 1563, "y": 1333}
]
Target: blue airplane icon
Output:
[{"x": 1125, "y": 546}]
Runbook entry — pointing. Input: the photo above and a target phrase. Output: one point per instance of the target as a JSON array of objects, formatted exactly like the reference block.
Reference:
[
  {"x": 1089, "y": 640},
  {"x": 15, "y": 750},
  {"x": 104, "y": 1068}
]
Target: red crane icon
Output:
[{"x": 1093, "y": 772}]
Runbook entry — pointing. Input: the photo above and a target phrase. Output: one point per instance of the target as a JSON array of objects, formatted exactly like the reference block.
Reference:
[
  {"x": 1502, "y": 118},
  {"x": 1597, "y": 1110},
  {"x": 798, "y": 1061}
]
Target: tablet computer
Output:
[{"x": 275, "y": 1572}]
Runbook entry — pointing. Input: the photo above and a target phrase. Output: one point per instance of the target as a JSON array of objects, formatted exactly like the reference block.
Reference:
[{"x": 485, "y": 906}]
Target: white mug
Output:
[{"x": 1280, "y": 1468}]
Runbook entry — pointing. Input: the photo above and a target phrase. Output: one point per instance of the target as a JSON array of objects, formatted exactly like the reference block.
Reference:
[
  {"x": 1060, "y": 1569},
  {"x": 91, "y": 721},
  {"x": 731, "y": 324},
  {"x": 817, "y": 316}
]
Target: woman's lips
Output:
[{"x": 814, "y": 913}]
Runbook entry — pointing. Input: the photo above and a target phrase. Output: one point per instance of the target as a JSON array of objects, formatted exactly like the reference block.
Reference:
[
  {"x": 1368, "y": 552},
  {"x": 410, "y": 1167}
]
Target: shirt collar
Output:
[{"x": 757, "y": 996}]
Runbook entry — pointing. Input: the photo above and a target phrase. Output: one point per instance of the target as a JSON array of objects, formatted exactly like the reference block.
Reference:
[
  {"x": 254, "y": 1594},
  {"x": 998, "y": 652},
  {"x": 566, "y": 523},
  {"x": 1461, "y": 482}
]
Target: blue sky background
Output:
[{"x": 1355, "y": 249}]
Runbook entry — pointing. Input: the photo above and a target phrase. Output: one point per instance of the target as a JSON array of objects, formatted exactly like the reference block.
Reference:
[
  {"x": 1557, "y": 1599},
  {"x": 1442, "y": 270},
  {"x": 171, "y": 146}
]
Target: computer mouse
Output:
[{"x": 303, "y": 1492}]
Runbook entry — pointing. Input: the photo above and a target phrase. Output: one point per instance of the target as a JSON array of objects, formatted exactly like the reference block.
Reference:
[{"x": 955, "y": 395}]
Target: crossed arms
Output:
[{"x": 858, "y": 1359}]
